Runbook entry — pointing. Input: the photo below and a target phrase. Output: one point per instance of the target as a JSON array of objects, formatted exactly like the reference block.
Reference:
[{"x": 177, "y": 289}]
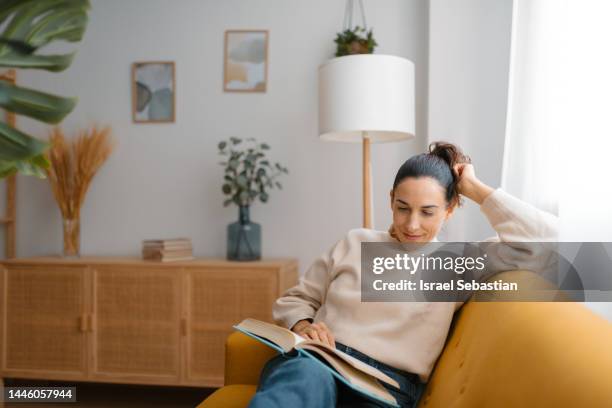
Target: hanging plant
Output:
[{"x": 355, "y": 41}]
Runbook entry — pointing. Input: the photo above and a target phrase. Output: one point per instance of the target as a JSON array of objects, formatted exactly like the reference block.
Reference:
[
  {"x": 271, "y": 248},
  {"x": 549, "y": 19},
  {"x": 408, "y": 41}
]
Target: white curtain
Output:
[
  {"x": 558, "y": 144},
  {"x": 558, "y": 147},
  {"x": 536, "y": 102}
]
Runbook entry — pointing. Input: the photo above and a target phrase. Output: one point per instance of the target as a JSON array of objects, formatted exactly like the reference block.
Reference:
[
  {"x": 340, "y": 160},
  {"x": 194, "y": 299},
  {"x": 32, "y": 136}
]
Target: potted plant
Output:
[
  {"x": 249, "y": 176},
  {"x": 73, "y": 164},
  {"x": 355, "y": 41}
]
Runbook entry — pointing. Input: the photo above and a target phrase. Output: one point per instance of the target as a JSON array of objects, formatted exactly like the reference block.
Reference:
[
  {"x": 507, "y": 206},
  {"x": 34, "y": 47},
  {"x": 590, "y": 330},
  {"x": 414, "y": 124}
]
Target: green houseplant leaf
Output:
[
  {"x": 16, "y": 145},
  {"x": 54, "y": 63},
  {"x": 248, "y": 173},
  {"x": 29, "y": 25},
  {"x": 35, "y": 104}
]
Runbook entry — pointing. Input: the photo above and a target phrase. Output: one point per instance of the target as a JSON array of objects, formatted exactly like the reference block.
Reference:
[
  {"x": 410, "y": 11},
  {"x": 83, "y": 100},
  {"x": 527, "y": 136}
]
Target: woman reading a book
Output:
[{"x": 402, "y": 339}]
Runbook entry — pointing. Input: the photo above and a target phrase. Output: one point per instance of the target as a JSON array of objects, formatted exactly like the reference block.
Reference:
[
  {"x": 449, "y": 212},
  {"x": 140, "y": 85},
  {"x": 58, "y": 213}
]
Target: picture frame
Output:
[
  {"x": 245, "y": 61},
  {"x": 153, "y": 92}
]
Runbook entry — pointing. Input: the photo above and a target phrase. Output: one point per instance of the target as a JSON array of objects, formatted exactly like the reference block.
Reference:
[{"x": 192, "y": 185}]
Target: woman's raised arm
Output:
[{"x": 514, "y": 220}]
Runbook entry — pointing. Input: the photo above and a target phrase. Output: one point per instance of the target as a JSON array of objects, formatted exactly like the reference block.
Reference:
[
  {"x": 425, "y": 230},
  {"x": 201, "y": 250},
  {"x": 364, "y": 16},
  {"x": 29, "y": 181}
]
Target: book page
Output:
[
  {"x": 284, "y": 338},
  {"x": 358, "y": 364},
  {"x": 298, "y": 339},
  {"x": 288, "y": 340},
  {"x": 358, "y": 378}
]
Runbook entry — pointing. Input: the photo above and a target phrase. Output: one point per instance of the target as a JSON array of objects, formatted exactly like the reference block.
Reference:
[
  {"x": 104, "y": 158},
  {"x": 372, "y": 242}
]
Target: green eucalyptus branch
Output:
[{"x": 249, "y": 175}]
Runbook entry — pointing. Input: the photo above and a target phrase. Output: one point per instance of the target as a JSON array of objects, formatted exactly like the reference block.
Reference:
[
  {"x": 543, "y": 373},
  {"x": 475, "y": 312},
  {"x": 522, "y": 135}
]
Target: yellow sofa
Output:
[{"x": 498, "y": 354}]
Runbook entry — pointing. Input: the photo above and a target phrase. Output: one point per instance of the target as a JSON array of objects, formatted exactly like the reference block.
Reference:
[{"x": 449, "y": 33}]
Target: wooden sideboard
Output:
[{"x": 125, "y": 320}]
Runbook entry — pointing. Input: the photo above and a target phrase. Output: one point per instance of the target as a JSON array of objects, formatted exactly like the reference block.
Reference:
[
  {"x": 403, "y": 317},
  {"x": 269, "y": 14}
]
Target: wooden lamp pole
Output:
[{"x": 367, "y": 174}]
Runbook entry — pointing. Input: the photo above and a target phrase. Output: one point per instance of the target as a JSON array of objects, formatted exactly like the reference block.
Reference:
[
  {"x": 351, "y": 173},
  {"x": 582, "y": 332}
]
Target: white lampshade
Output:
[{"x": 366, "y": 93}]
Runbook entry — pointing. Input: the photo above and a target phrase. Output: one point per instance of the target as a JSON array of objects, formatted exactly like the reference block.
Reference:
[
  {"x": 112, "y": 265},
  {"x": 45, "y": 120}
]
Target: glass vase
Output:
[
  {"x": 72, "y": 237},
  {"x": 243, "y": 238}
]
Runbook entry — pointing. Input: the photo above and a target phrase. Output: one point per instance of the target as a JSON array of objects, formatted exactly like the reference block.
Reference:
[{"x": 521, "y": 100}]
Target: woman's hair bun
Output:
[
  {"x": 448, "y": 152},
  {"x": 452, "y": 155}
]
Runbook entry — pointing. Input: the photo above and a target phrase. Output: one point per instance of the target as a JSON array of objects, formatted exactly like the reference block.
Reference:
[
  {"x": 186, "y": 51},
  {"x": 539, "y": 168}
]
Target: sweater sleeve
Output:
[
  {"x": 304, "y": 299},
  {"x": 517, "y": 221},
  {"x": 523, "y": 230}
]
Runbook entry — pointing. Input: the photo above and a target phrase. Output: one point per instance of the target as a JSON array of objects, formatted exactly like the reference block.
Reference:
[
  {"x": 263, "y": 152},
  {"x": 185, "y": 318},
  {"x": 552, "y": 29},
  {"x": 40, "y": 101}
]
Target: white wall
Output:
[
  {"x": 469, "y": 54},
  {"x": 163, "y": 180}
]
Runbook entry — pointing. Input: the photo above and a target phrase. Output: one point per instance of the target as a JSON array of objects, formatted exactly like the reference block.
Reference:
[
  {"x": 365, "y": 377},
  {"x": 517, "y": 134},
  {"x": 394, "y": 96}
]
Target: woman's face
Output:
[{"x": 419, "y": 209}]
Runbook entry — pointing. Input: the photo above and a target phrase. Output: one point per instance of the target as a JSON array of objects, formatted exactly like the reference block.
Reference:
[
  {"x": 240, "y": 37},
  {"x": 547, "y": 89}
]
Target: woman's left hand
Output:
[
  {"x": 469, "y": 185},
  {"x": 466, "y": 175}
]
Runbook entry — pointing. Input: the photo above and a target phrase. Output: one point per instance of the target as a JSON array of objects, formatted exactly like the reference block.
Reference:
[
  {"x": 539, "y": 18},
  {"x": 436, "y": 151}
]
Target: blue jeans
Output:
[{"x": 293, "y": 380}]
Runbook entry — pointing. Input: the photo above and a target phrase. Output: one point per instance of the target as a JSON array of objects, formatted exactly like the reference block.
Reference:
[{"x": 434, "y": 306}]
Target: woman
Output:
[{"x": 402, "y": 339}]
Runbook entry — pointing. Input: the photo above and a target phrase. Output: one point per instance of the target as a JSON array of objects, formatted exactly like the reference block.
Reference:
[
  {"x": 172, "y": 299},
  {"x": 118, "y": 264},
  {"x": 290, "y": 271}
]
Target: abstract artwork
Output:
[
  {"x": 246, "y": 61},
  {"x": 153, "y": 90}
]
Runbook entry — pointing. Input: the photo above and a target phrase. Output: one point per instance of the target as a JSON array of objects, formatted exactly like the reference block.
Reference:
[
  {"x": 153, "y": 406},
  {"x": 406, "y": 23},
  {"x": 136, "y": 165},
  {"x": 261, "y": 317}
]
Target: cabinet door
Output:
[
  {"x": 45, "y": 306},
  {"x": 217, "y": 300},
  {"x": 136, "y": 324}
]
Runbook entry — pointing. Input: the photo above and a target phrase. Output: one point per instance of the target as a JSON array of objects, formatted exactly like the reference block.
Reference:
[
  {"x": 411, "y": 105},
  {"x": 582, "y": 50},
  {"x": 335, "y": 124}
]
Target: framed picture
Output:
[
  {"x": 153, "y": 92},
  {"x": 245, "y": 66}
]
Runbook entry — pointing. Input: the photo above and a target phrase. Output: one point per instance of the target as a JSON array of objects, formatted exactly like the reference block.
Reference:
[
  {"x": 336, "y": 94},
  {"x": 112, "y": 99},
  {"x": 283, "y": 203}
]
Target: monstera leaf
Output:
[{"x": 29, "y": 25}]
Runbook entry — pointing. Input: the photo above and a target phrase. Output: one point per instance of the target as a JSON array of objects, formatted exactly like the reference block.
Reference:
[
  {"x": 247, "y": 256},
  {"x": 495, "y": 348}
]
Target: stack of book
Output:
[{"x": 167, "y": 250}]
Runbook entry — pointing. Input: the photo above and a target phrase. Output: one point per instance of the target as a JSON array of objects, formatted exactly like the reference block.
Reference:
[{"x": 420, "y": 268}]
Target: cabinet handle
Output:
[{"x": 183, "y": 327}]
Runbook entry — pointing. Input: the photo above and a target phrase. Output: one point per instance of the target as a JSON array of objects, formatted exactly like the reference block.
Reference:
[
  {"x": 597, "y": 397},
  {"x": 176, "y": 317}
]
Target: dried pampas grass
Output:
[{"x": 74, "y": 163}]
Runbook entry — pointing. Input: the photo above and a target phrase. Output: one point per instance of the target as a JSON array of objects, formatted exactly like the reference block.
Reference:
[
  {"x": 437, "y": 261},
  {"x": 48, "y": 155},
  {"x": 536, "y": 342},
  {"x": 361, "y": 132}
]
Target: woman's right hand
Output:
[{"x": 315, "y": 331}]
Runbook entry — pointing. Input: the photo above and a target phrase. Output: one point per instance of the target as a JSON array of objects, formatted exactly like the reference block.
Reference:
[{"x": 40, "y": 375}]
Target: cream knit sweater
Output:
[{"x": 406, "y": 335}]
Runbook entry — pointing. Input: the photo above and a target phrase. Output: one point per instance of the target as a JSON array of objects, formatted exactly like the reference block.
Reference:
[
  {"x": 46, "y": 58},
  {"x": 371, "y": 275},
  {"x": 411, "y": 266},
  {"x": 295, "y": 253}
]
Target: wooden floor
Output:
[{"x": 91, "y": 395}]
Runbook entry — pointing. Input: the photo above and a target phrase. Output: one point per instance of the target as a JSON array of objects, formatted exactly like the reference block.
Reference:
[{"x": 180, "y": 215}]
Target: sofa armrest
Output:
[{"x": 244, "y": 359}]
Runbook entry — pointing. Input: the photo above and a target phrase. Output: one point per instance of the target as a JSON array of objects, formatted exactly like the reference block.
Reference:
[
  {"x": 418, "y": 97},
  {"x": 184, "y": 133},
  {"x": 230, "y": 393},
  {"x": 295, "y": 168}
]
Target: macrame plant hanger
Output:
[{"x": 348, "y": 15}]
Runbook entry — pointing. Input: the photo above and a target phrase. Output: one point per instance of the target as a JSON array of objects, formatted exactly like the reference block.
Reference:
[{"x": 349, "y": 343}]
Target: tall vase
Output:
[
  {"x": 243, "y": 238},
  {"x": 72, "y": 237}
]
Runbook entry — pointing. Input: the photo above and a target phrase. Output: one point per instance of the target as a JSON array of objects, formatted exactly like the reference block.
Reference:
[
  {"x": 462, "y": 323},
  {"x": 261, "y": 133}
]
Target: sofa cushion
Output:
[
  {"x": 230, "y": 396},
  {"x": 523, "y": 354}
]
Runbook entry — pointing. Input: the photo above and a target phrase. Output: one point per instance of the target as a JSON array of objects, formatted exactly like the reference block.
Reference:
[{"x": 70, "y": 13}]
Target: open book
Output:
[{"x": 351, "y": 371}]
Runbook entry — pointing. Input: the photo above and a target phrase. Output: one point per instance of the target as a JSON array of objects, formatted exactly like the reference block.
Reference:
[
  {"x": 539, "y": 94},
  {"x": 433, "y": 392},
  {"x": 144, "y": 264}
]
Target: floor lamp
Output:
[{"x": 366, "y": 99}]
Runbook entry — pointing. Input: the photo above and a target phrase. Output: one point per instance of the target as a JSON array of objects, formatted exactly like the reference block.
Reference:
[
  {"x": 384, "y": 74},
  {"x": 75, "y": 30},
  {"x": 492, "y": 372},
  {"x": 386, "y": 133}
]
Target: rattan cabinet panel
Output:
[
  {"x": 136, "y": 322},
  {"x": 44, "y": 312},
  {"x": 218, "y": 299},
  {"x": 222, "y": 297},
  {"x": 127, "y": 320}
]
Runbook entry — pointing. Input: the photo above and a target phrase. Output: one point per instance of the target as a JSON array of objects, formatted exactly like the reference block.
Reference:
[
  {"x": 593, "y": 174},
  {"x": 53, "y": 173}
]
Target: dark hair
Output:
[{"x": 437, "y": 164}]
